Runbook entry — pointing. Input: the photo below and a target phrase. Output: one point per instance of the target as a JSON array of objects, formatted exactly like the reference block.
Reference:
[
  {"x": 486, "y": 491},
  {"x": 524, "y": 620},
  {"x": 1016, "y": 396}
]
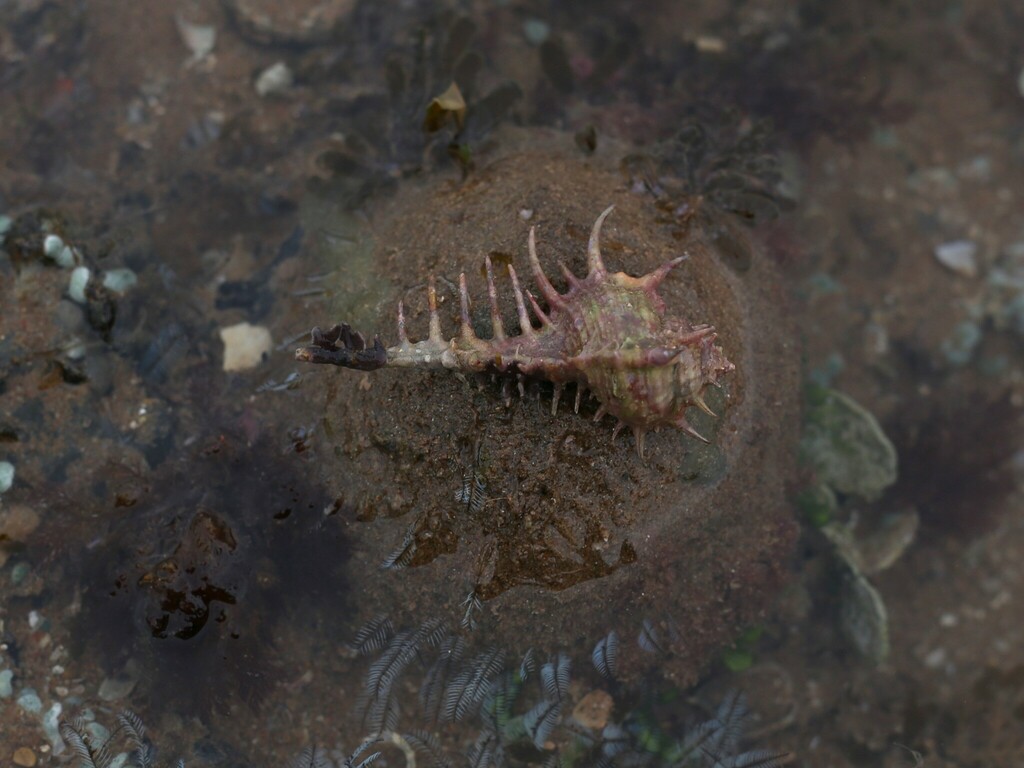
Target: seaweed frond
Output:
[
  {"x": 468, "y": 688},
  {"x": 312, "y": 757},
  {"x": 606, "y": 655},
  {"x": 133, "y": 727},
  {"x": 554, "y": 677},
  {"x": 541, "y": 720},
  {"x": 350, "y": 761},
  {"x": 81, "y": 743},
  {"x": 372, "y": 636},
  {"x": 437, "y": 676}
]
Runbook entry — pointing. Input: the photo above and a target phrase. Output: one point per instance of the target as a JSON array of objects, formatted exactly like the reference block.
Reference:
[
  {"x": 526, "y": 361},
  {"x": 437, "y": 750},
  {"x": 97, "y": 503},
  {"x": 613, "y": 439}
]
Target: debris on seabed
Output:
[
  {"x": 959, "y": 256},
  {"x": 119, "y": 280},
  {"x": 17, "y": 521},
  {"x": 60, "y": 252},
  {"x": 275, "y": 79},
  {"x": 864, "y": 618},
  {"x": 77, "y": 284},
  {"x": 244, "y": 346},
  {"x": 593, "y": 710},
  {"x": 960, "y": 345},
  {"x": 710, "y": 44},
  {"x": 536, "y": 31},
  {"x": 6, "y": 475},
  {"x": 198, "y": 38}
]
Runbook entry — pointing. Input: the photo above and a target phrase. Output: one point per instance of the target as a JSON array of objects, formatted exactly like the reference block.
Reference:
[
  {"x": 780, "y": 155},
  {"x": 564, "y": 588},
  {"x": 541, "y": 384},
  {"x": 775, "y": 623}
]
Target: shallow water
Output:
[{"x": 258, "y": 556}]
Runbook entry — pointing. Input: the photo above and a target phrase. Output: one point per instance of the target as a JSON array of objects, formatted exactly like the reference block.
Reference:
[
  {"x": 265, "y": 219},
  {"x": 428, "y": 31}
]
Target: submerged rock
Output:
[
  {"x": 845, "y": 445},
  {"x": 572, "y": 529}
]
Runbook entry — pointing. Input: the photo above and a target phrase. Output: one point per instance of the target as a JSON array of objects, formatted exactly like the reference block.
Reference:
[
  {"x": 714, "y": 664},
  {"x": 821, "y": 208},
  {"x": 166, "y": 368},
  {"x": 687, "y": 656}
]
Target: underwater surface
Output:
[{"x": 676, "y": 414}]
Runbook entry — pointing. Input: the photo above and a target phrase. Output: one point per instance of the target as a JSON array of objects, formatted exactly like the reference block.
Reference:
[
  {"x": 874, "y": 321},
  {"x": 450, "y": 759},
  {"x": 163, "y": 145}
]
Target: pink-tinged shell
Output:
[{"x": 610, "y": 333}]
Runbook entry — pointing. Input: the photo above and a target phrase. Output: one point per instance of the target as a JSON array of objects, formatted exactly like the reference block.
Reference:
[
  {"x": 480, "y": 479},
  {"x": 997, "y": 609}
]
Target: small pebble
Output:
[
  {"x": 25, "y": 757},
  {"x": 6, "y": 476},
  {"x": 959, "y": 348},
  {"x": 204, "y": 130},
  {"x": 936, "y": 180},
  {"x": 829, "y": 369},
  {"x": 52, "y": 246},
  {"x": 19, "y": 572},
  {"x": 526, "y": 214},
  {"x": 710, "y": 44},
  {"x": 1014, "y": 312},
  {"x": 67, "y": 258},
  {"x": 959, "y": 256},
  {"x": 244, "y": 346},
  {"x": 948, "y": 620},
  {"x": 885, "y": 137},
  {"x": 17, "y": 521},
  {"x": 76, "y": 285},
  {"x": 876, "y": 339},
  {"x": 198, "y": 38},
  {"x": 34, "y": 619},
  {"x": 114, "y": 688},
  {"x": 75, "y": 349},
  {"x": 51, "y": 727},
  {"x": 29, "y": 701},
  {"x": 978, "y": 168},
  {"x": 275, "y": 79},
  {"x": 935, "y": 659},
  {"x": 5, "y": 224},
  {"x": 1015, "y": 250},
  {"x": 98, "y": 731},
  {"x": 823, "y": 284},
  {"x": 56, "y": 249},
  {"x": 6, "y": 689},
  {"x": 536, "y": 31},
  {"x": 119, "y": 280},
  {"x": 593, "y": 710}
]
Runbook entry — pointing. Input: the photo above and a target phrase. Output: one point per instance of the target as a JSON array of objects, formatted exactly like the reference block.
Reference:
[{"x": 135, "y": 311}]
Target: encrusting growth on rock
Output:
[{"x": 609, "y": 333}]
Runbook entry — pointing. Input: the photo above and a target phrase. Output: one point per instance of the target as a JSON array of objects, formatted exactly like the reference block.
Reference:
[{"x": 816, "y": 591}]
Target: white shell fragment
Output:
[
  {"x": 959, "y": 256},
  {"x": 52, "y": 246},
  {"x": 77, "y": 284},
  {"x": 198, "y": 38},
  {"x": 119, "y": 280},
  {"x": 244, "y": 346},
  {"x": 56, "y": 249},
  {"x": 6, "y": 475},
  {"x": 275, "y": 79}
]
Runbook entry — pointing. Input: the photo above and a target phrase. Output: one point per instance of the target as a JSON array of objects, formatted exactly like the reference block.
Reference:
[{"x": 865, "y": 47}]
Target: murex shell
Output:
[{"x": 609, "y": 333}]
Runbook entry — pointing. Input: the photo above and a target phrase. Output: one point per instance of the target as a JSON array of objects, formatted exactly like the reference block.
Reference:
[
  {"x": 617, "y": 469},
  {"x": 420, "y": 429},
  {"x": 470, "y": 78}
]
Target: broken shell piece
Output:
[
  {"x": 77, "y": 284},
  {"x": 244, "y": 346}
]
